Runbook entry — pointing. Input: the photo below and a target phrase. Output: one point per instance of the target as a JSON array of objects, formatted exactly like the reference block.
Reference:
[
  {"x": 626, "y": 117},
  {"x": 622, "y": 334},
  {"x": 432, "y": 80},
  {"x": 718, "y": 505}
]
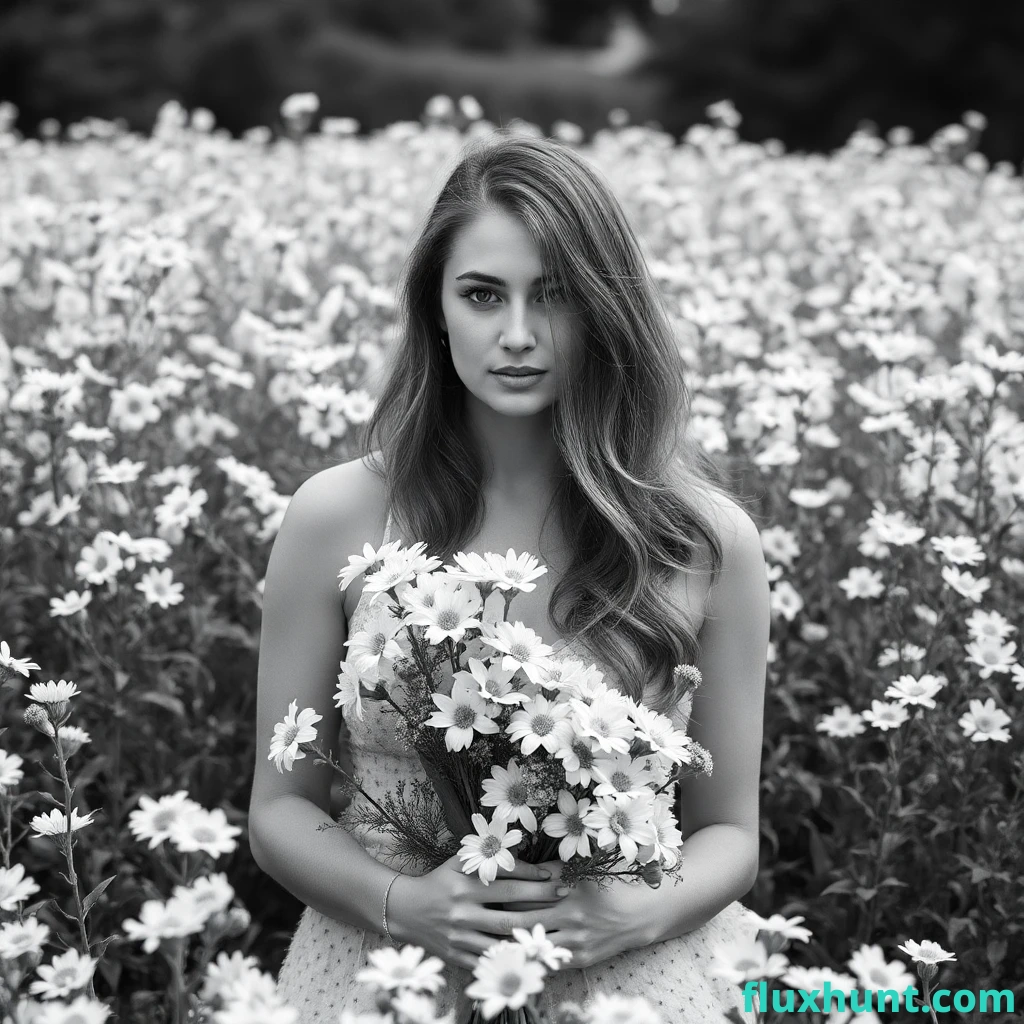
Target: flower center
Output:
[
  {"x": 517, "y": 793},
  {"x": 619, "y": 823},
  {"x": 377, "y": 643},
  {"x": 621, "y": 781},
  {"x": 574, "y": 825},
  {"x": 521, "y": 652},
  {"x": 290, "y": 733},
  {"x": 583, "y": 753},
  {"x": 464, "y": 716},
  {"x": 490, "y": 846},
  {"x": 163, "y": 820},
  {"x": 448, "y": 620},
  {"x": 509, "y": 984},
  {"x": 204, "y": 834},
  {"x": 543, "y": 724}
]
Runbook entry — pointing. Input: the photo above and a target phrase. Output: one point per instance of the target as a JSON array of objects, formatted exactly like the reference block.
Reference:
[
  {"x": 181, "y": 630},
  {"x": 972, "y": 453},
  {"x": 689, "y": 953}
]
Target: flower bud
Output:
[
  {"x": 239, "y": 920},
  {"x": 72, "y": 739},
  {"x": 36, "y": 716},
  {"x": 652, "y": 873}
]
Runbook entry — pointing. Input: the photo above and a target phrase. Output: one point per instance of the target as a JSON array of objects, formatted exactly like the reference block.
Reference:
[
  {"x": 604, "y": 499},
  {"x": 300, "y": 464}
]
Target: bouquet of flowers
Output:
[{"x": 506, "y": 734}]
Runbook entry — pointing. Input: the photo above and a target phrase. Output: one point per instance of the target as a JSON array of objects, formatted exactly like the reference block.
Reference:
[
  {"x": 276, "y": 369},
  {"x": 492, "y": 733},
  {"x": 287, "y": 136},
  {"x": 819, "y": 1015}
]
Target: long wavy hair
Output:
[{"x": 632, "y": 501}]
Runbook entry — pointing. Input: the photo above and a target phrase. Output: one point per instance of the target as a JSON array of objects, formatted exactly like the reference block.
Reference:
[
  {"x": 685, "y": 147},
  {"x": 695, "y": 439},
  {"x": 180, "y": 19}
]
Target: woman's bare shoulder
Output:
[{"x": 342, "y": 505}]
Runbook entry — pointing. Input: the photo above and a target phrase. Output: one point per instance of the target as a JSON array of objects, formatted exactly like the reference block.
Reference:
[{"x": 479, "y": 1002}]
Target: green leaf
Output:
[
  {"x": 164, "y": 700},
  {"x": 957, "y": 925},
  {"x": 866, "y": 894},
  {"x": 844, "y": 886},
  {"x": 52, "y": 800},
  {"x": 87, "y": 905}
]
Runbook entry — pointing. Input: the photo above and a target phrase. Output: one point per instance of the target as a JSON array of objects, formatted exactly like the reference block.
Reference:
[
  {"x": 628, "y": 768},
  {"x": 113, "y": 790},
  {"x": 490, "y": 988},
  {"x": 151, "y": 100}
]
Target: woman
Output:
[{"x": 526, "y": 261}]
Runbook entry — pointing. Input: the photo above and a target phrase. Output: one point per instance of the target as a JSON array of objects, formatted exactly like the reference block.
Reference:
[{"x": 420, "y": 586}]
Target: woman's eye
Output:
[{"x": 551, "y": 296}]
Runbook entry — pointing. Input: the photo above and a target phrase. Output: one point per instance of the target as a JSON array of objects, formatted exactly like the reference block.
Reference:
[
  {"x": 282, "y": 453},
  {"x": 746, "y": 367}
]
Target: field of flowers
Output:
[{"x": 191, "y": 325}]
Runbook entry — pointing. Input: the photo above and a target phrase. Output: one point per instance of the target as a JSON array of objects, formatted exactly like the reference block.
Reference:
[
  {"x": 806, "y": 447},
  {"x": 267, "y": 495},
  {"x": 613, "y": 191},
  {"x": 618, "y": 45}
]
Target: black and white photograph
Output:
[{"x": 511, "y": 512}]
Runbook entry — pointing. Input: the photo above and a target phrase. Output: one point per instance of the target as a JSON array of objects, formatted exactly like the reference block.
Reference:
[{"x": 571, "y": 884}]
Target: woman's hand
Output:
[
  {"x": 595, "y": 925},
  {"x": 456, "y": 917}
]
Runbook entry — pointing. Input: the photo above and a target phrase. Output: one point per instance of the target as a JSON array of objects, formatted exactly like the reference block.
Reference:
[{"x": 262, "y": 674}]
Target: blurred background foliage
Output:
[{"x": 807, "y": 72}]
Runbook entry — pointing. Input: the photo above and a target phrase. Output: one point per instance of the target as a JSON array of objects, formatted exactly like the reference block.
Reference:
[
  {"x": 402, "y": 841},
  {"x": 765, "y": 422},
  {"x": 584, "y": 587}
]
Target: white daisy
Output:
[
  {"x": 15, "y": 886},
  {"x": 158, "y": 587},
  {"x": 348, "y": 693},
  {"x": 206, "y": 830},
  {"x": 54, "y": 822},
  {"x": 606, "y": 721},
  {"x": 454, "y": 610},
  {"x": 538, "y": 946},
  {"x": 17, "y": 937},
  {"x": 984, "y": 721},
  {"x": 567, "y": 824},
  {"x": 522, "y": 648},
  {"x": 284, "y": 746},
  {"x": 358, "y": 564},
  {"x": 159, "y": 920},
  {"x": 373, "y": 650},
  {"x": 20, "y": 665},
  {"x": 505, "y": 980},
  {"x": 508, "y": 793},
  {"x": 619, "y": 776},
  {"x": 917, "y": 691},
  {"x": 788, "y": 927},
  {"x": 70, "y": 604},
  {"x": 402, "y": 566},
  {"x": 462, "y": 715},
  {"x": 495, "y": 683},
  {"x": 614, "y": 1008},
  {"x": 155, "y": 818},
  {"x": 66, "y": 973},
  {"x": 747, "y": 960},
  {"x": 625, "y": 823},
  {"x": 225, "y": 971},
  {"x": 489, "y": 849},
  {"x": 542, "y": 723},
  {"x": 843, "y": 722},
  {"x": 404, "y": 969},
  {"x": 82, "y": 1010},
  {"x": 926, "y": 952},
  {"x": 53, "y": 692},
  {"x": 471, "y": 568},
  {"x": 885, "y": 716},
  {"x": 872, "y": 971},
  {"x": 212, "y": 894},
  {"x": 10, "y": 771},
  {"x": 514, "y": 571}
]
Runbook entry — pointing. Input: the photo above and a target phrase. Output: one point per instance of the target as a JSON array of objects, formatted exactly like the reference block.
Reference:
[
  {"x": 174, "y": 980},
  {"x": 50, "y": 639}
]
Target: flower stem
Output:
[{"x": 69, "y": 855}]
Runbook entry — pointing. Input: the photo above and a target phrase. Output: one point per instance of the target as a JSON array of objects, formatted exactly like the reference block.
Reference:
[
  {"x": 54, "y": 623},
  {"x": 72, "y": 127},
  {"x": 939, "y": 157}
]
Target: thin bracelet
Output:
[{"x": 384, "y": 913}]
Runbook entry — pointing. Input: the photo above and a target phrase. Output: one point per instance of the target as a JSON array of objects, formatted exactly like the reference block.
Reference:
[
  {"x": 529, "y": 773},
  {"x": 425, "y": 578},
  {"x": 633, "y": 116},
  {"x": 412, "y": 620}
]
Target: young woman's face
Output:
[{"x": 498, "y": 314}]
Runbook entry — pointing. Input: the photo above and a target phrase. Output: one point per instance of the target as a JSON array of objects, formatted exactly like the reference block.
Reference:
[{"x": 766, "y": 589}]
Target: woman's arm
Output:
[
  {"x": 301, "y": 644},
  {"x": 719, "y": 813}
]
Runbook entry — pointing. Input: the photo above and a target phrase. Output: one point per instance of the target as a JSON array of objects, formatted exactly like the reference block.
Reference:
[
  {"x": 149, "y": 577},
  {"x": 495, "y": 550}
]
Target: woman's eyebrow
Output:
[{"x": 491, "y": 279}]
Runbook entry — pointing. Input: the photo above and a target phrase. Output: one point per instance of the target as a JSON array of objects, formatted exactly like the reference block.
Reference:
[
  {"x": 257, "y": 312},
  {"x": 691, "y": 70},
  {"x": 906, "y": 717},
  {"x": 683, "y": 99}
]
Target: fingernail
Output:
[
  {"x": 561, "y": 890},
  {"x": 545, "y": 875}
]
